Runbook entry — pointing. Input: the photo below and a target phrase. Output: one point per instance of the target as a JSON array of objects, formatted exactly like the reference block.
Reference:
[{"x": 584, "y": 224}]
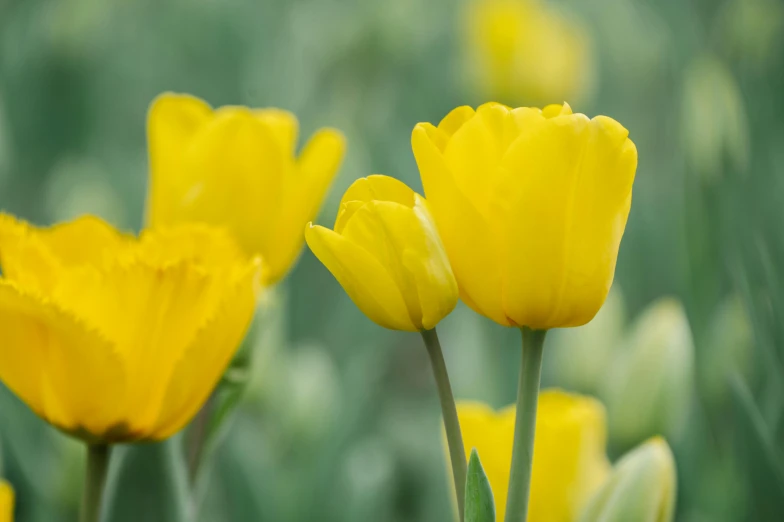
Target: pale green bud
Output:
[
  {"x": 648, "y": 386},
  {"x": 715, "y": 125},
  {"x": 641, "y": 488}
]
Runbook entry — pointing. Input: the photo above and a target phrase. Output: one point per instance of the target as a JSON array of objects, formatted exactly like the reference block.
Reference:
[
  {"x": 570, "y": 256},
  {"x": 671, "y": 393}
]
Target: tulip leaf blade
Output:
[{"x": 479, "y": 503}]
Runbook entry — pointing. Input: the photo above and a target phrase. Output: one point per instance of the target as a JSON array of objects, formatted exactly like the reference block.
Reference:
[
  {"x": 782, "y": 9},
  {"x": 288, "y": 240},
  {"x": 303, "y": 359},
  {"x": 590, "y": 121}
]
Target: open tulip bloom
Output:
[
  {"x": 531, "y": 206},
  {"x": 113, "y": 338}
]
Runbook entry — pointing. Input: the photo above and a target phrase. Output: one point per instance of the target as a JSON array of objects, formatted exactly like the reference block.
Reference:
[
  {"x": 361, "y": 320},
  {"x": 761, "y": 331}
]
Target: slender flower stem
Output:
[
  {"x": 197, "y": 438},
  {"x": 525, "y": 426},
  {"x": 449, "y": 411},
  {"x": 94, "y": 481}
]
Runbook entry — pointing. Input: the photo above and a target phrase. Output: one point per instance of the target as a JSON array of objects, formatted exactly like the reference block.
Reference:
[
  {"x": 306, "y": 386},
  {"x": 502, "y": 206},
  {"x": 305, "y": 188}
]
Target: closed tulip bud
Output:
[
  {"x": 6, "y": 502},
  {"x": 641, "y": 488},
  {"x": 531, "y": 206},
  {"x": 525, "y": 50},
  {"x": 715, "y": 125},
  {"x": 386, "y": 253},
  {"x": 649, "y": 385},
  {"x": 236, "y": 167},
  {"x": 570, "y": 462}
]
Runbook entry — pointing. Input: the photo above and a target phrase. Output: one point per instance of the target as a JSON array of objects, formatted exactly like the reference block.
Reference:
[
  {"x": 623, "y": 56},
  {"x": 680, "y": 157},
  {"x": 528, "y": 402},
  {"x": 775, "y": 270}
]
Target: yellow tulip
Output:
[
  {"x": 6, "y": 502},
  {"x": 387, "y": 255},
  {"x": 111, "y": 338},
  {"x": 526, "y": 51},
  {"x": 570, "y": 463},
  {"x": 236, "y": 167},
  {"x": 531, "y": 206}
]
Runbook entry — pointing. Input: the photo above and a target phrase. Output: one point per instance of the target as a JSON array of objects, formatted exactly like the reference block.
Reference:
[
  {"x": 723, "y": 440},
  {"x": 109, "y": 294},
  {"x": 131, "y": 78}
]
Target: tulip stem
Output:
[
  {"x": 94, "y": 481},
  {"x": 449, "y": 411},
  {"x": 525, "y": 425}
]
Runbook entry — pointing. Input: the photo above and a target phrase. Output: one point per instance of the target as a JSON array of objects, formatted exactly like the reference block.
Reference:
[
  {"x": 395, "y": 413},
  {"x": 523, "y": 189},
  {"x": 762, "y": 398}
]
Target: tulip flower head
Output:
[
  {"x": 570, "y": 462},
  {"x": 386, "y": 253},
  {"x": 527, "y": 51},
  {"x": 531, "y": 206},
  {"x": 113, "y": 338},
  {"x": 236, "y": 167}
]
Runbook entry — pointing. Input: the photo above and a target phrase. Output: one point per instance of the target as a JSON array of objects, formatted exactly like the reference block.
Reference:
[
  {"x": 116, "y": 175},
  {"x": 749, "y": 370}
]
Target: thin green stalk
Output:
[
  {"x": 525, "y": 425},
  {"x": 449, "y": 411},
  {"x": 94, "y": 481}
]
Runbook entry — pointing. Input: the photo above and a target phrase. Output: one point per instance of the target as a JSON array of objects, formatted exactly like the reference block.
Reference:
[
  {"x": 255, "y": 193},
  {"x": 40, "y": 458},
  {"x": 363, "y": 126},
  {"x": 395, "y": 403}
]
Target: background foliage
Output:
[{"x": 340, "y": 420}]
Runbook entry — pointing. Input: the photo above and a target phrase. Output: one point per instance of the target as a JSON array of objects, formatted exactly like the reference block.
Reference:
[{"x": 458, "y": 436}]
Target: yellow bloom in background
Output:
[
  {"x": 526, "y": 51},
  {"x": 642, "y": 487},
  {"x": 386, "y": 253},
  {"x": 113, "y": 338},
  {"x": 236, "y": 167},
  {"x": 6, "y": 502},
  {"x": 570, "y": 463},
  {"x": 531, "y": 206}
]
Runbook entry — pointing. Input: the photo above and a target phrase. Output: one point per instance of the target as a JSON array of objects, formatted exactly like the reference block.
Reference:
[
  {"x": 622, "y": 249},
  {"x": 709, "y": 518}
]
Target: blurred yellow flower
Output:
[
  {"x": 236, "y": 167},
  {"x": 642, "y": 487},
  {"x": 387, "y": 255},
  {"x": 526, "y": 51},
  {"x": 113, "y": 338},
  {"x": 531, "y": 206},
  {"x": 6, "y": 502},
  {"x": 570, "y": 463}
]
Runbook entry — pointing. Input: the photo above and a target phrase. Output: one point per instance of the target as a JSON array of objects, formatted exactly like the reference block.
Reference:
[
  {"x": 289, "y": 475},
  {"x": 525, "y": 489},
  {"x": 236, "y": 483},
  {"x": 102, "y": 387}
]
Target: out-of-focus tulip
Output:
[
  {"x": 6, "y": 502},
  {"x": 570, "y": 463},
  {"x": 236, "y": 167},
  {"x": 386, "y": 253},
  {"x": 526, "y": 51},
  {"x": 531, "y": 206},
  {"x": 577, "y": 358},
  {"x": 714, "y": 125},
  {"x": 648, "y": 388},
  {"x": 112, "y": 338},
  {"x": 642, "y": 487}
]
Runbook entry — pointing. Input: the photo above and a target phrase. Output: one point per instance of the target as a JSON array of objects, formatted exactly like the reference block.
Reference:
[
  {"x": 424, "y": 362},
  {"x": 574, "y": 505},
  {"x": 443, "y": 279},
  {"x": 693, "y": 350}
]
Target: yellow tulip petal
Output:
[
  {"x": 455, "y": 119},
  {"x": 569, "y": 452},
  {"x": 6, "y": 502},
  {"x": 237, "y": 169},
  {"x": 202, "y": 364},
  {"x": 65, "y": 372},
  {"x": 303, "y": 195},
  {"x": 364, "y": 279},
  {"x": 284, "y": 126},
  {"x": 469, "y": 241},
  {"x": 375, "y": 187},
  {"x": 405, "y": 243},
  {"x": 567, "y": 211},
  {"x": 172, "y": 122}
]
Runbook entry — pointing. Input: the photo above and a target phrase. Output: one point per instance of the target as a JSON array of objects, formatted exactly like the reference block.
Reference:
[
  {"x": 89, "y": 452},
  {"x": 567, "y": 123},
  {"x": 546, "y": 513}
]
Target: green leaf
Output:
[
  {"x": 763, "y": 462},
  {"x": 147, "y": 482},
  {"x": 479, "y": 504}
]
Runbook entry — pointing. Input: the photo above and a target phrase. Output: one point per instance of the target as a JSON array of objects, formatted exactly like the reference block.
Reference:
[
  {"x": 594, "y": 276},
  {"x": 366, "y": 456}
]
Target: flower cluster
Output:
[{"x": 114, "y": 337}]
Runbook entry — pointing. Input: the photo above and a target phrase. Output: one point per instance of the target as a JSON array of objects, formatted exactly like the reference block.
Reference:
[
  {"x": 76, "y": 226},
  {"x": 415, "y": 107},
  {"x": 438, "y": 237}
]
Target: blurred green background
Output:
[{"x": 339, "y": 419}]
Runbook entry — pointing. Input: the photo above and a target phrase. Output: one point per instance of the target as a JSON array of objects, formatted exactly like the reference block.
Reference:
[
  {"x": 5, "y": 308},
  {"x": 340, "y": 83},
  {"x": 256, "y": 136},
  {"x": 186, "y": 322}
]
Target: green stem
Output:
[
  {"x": 525, "y": 425},
  {"x": 94, "y": 481},
  {"x": 449, "y": 411},
  {"x": 197, "y": 437}
]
